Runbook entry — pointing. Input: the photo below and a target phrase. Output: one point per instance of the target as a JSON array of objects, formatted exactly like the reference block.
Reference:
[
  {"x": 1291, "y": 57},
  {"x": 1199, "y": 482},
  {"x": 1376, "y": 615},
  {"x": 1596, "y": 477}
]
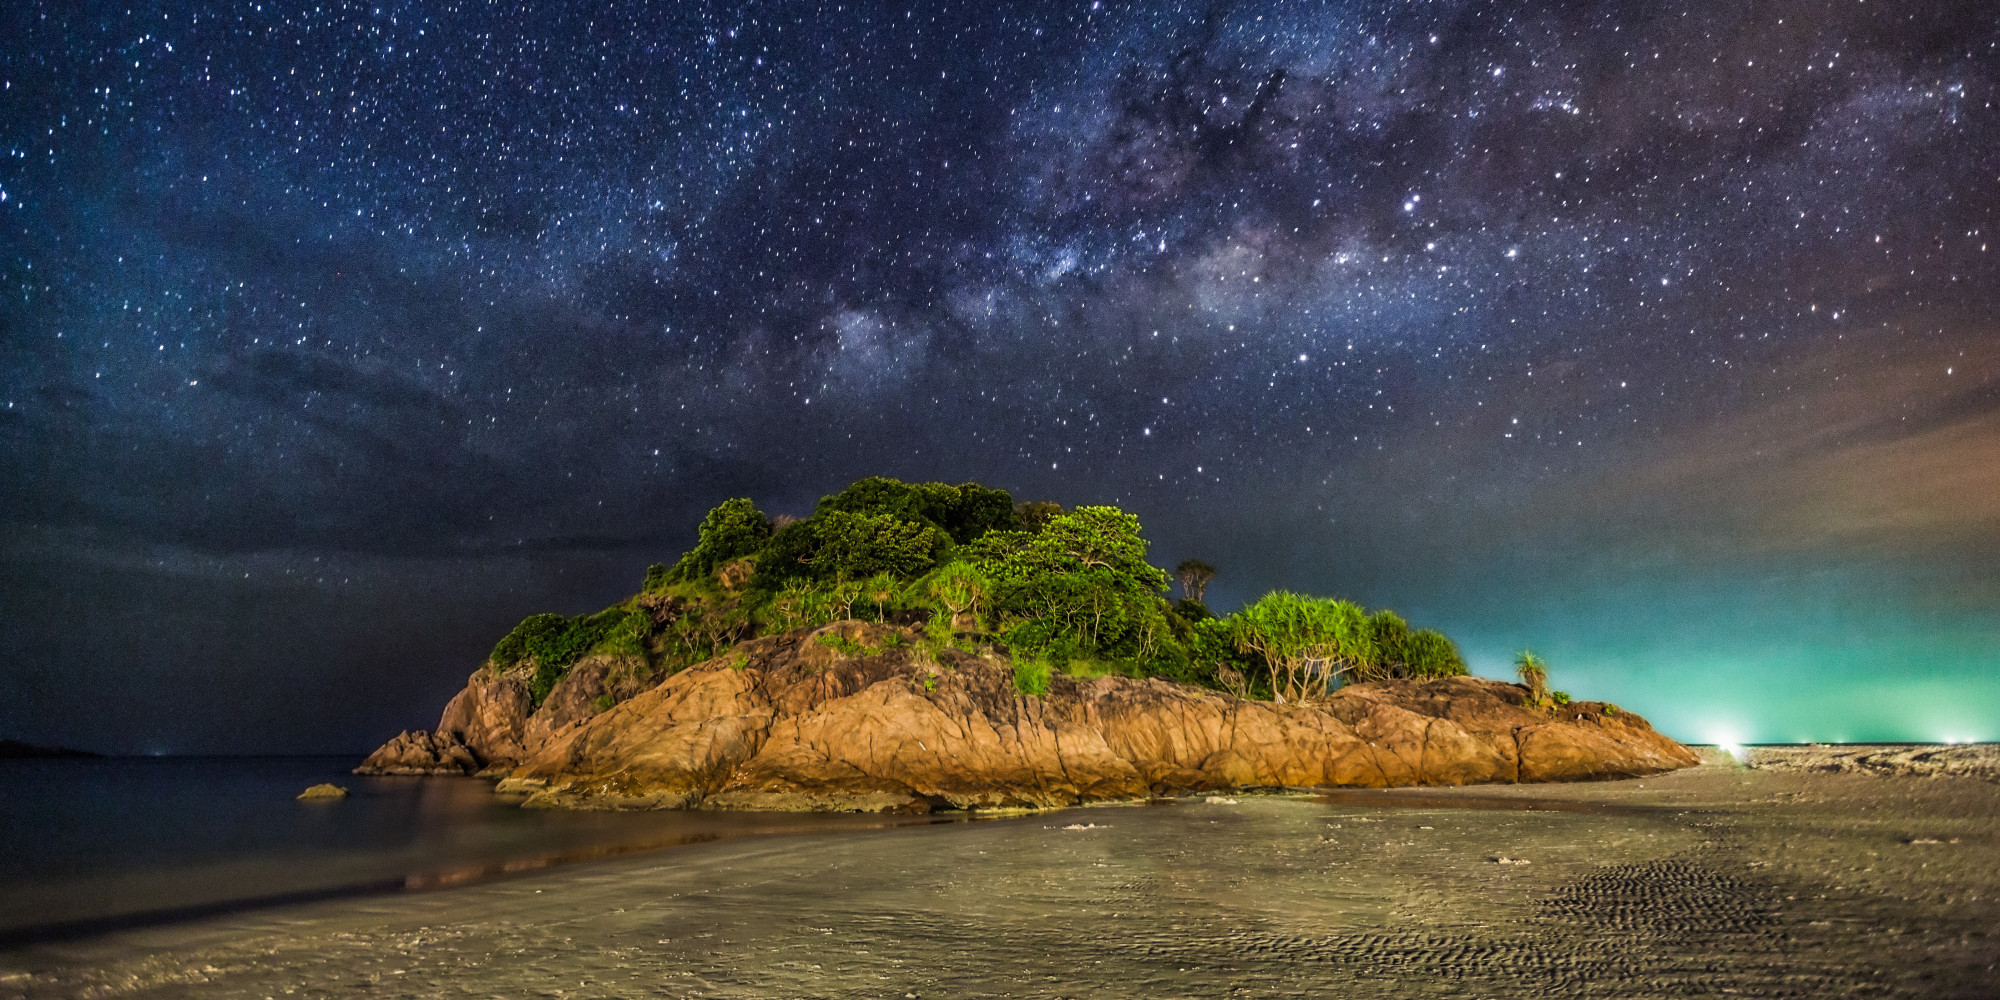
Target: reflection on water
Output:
[
  {"x": 1711, "y": 882},
  {"x": 86, "y": 844},
  {"x": 1725, "y": 884}
]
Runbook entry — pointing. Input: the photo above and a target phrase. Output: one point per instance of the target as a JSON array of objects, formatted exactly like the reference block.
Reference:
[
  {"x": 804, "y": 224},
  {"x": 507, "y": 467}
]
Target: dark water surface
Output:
[{"x": 88, "y": 845}]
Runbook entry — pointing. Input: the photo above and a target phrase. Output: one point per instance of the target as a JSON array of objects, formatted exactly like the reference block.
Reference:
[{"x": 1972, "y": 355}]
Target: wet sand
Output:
[{"x": 1719, "y": 880}]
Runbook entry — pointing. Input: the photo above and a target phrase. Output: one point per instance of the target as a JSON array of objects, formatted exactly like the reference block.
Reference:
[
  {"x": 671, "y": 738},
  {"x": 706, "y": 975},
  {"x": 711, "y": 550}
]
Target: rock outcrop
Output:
[
  {"x": 492, "y": 724},
  {"x": 851, "y": 718}
]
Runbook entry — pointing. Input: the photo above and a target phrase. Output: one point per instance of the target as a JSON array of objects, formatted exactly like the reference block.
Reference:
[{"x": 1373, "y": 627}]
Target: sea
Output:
[{"x": 95, "y": 844}]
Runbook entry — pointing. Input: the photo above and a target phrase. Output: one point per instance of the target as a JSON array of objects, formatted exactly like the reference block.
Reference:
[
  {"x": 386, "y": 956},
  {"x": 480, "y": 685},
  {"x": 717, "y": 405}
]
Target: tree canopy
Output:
[{"x": 1062, "y": 590}]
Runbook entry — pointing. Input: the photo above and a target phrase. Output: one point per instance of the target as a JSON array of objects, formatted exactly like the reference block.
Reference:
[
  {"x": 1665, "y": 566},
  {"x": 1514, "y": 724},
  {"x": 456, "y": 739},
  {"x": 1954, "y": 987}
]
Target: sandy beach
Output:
[{"x": 1717, "y": 880}]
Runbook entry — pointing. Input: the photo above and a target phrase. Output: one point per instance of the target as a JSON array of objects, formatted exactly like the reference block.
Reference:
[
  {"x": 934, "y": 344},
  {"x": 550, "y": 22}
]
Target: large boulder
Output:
[
  {"x": 483, "y": 728},
  {"x": 852, "y": 718}
]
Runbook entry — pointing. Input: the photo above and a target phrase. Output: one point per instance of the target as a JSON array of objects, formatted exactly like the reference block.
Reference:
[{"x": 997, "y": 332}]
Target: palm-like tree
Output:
[{"x": 1535, "y": 675}]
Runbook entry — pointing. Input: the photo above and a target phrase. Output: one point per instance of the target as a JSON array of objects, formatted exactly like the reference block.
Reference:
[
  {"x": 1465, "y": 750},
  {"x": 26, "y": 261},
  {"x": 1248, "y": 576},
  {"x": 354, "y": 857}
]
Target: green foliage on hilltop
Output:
[
  {"x": 552, "y": 643},
  {"x": 734, "y": 529},
  {"x": 1062, "y": 591}
]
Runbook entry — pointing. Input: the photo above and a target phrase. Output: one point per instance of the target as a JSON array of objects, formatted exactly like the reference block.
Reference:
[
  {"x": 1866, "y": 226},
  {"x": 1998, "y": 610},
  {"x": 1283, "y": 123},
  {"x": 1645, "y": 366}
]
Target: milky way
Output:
[{"x": 1660, "y": 338}]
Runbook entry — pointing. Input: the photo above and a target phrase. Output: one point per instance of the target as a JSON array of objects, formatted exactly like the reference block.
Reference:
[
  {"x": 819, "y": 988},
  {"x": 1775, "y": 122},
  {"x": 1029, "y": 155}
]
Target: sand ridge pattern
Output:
[
  {"x": 1710, "y": 882},
  {"x": 1971, "y": 760}
]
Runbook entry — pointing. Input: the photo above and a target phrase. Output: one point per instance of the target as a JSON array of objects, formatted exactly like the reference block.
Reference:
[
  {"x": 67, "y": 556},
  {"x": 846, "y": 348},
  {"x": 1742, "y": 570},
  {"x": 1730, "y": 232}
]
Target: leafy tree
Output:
[
  {"x": 974, "y": 511},
  {"x": 788, "y": 555},
  {"x": 656, "y": 576},
  {"x": 1305, "y": 643},
  {"x": 857, "y": 546},
  {"x": 962, "y": 512},
  {"x": 1194, "y": 576},
  {"x": 1082, "y": 584},
  {"x": 1033, "y": 515},
  {"x": 732, "y": 529}
]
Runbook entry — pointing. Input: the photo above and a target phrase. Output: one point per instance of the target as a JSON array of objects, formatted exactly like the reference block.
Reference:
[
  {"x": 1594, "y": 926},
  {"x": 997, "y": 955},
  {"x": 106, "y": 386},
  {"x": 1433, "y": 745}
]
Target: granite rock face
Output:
[
  {"x": 492, "y": 724},
  {"x": 850, "y": 718}
]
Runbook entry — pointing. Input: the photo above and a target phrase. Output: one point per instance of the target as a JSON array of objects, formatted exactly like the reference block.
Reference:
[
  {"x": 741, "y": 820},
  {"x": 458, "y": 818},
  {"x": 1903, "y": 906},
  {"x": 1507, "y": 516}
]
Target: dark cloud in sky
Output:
[{"x": 1658, "y": 338}]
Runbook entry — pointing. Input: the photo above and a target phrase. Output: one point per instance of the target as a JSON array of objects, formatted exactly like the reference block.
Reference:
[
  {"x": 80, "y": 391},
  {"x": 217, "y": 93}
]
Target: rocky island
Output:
[{"x": 1019, "y": 656}]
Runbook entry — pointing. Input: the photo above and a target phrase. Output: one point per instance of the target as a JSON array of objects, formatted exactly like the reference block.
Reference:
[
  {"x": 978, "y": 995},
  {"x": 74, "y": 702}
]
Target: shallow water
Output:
[
  {"x": 90, "y": 844},
  {"x": 1709, "y": 882}
]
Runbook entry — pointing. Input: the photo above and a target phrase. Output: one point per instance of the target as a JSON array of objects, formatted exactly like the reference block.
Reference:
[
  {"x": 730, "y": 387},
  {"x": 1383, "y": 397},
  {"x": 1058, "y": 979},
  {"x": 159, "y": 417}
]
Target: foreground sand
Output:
[{"x": 1708, "y": 882}]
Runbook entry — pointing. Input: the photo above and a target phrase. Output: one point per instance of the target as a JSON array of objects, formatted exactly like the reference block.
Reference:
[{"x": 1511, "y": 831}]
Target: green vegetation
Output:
[
  {"x": 553, "y": 643},
  {"x": 1535, "y": 677},
  {"x": 1060, "y": 591}
]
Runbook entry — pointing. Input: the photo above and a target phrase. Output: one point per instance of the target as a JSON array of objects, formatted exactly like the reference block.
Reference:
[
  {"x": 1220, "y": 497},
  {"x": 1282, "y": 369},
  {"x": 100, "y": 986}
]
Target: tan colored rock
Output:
[
  {"x": 581, "y": 694},
  {"x": 484, "y": 729},
  {"x": 420, "y": 751},
  {"x": 324, "y": 790},
  {"x": 490, "y": 716},
  {"x": 850, "y": 718}
]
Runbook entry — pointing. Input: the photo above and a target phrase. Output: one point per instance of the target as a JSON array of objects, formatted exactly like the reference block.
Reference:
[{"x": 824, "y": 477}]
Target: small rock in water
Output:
[
  {"x": 1086, "y": 826},
  {"x": 1217, "y": 800},
  {"x": 1510, "y": 861},
  {"x": 324, "y": 790}
]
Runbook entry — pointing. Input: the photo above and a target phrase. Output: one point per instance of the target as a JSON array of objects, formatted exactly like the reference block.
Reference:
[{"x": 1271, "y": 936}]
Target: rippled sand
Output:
[{"x": 1709, "y": 882}]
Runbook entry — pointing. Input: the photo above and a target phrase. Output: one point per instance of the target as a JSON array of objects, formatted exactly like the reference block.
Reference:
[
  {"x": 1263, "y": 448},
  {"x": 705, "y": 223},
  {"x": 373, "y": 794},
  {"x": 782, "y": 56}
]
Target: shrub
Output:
[
  {"x": 554, "y": 652},
  {"x": 1432, "y": 654},
  {"x": 534, "y": 631},
  {"x": 1032, "y": 675},
  {"x": 1391, "y": 637},
  {"x": 1561, "y": 698},
  {"x": 656, "y": 576}
]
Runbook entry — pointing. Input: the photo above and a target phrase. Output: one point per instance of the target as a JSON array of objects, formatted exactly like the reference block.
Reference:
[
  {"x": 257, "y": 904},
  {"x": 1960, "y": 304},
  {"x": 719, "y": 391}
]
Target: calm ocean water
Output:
[{"x": 87, "y": 845}]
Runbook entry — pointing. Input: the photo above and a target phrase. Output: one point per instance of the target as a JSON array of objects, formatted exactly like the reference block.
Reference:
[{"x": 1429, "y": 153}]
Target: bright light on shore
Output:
[{"x": 1728, "y": 742}]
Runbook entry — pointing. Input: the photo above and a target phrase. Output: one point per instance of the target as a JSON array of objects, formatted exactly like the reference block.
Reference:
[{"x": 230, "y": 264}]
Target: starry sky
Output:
[{"x": 1659, "y": 338}]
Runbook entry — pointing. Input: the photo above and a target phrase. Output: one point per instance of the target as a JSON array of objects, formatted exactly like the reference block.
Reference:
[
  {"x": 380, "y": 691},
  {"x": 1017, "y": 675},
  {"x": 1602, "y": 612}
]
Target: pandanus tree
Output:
[
  {"x": 880, "y": 590},
  {"x": 961, "y": 591},
  {"x": 1306, "y": 643},
  {"x": 1535, "y": 676}
]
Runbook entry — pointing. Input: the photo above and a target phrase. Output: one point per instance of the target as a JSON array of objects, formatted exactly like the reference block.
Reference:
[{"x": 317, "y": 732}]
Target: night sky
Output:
[{"x": 1659, "y": 338}]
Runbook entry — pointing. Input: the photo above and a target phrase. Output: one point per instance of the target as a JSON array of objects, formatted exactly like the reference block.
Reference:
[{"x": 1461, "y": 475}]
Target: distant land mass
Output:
[
  {"x": 917, "y": 647},
  {"x": 17, "y": 750}
]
